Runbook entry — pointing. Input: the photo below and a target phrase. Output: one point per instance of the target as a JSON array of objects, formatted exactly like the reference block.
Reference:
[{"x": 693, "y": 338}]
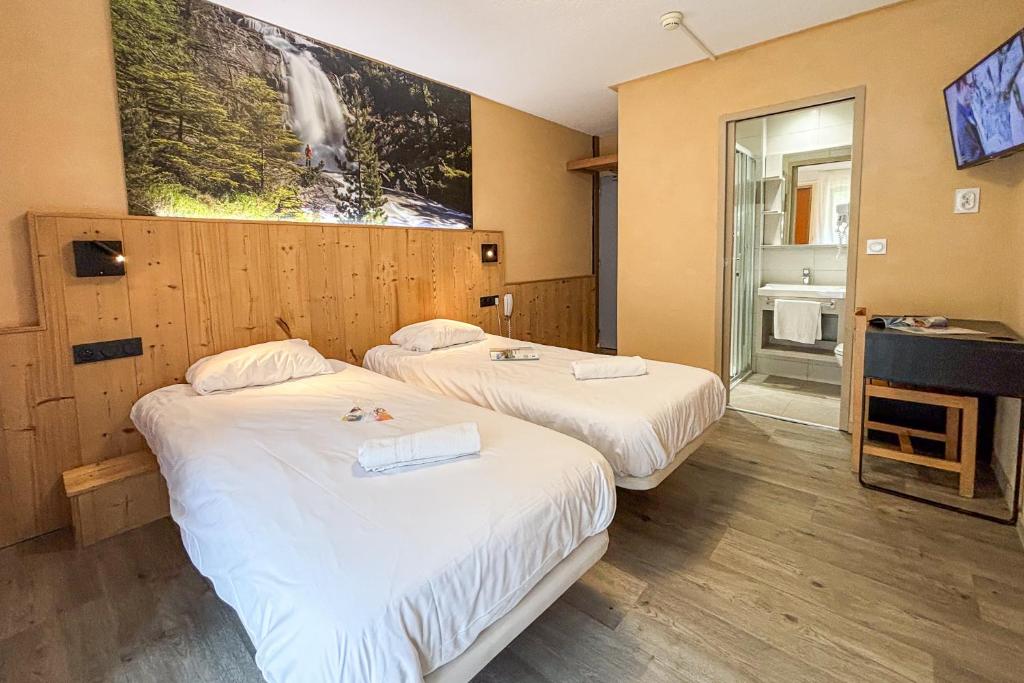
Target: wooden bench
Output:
[{"x": 115, "y": 495}]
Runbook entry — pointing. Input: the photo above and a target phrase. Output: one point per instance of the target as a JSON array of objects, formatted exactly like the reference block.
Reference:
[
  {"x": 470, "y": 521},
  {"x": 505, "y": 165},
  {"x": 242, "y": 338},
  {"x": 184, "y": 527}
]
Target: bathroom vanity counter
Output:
[{"x": 800, "y": 291}]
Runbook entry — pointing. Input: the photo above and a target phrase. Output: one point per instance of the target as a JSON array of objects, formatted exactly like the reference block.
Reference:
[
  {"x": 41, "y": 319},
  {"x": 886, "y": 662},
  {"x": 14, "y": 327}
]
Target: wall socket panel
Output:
[
  {"x": 106, "y": 350},
  {"x": 876, "y": 247},
  {"x": 967, "y": 200},
  {"x": 487, "y": 301}
]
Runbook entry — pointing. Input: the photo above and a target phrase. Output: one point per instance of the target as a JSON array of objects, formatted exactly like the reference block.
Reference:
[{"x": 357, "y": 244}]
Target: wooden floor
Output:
[{"x": 760, "y": 559}]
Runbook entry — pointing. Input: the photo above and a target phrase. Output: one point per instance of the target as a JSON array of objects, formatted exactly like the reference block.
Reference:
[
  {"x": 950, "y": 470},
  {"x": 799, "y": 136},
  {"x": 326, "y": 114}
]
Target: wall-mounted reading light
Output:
[
  {"x": 489, "y": 253},
  {"x": 98, "y": 258}
]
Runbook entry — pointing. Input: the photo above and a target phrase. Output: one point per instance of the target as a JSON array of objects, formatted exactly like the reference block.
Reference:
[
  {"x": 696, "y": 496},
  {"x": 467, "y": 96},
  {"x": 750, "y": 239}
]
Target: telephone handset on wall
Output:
[{"x": 506, "y": 313}]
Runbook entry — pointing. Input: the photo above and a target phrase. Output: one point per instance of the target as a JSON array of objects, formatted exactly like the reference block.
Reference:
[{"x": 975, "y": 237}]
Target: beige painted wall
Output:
[
  {"x": 609, "y": 144},
  {"x": 669, "y": 163},
  {"x": 59, "y": 141},
  {"x": 60, "y": 150},
  {"x": 520, "y": 185}
]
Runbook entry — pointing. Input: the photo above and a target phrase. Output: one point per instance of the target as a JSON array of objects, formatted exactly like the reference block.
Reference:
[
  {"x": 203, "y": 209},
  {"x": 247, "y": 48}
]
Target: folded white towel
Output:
[
  {"x": 609, "y": 366},
  {"x": 430, "y": 445},
  {"x": 797, "y": 320}
]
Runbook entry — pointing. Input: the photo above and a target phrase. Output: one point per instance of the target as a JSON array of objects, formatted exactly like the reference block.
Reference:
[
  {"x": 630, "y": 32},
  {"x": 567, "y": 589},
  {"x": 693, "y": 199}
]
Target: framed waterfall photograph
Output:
[{"x": 225, "y": 116}]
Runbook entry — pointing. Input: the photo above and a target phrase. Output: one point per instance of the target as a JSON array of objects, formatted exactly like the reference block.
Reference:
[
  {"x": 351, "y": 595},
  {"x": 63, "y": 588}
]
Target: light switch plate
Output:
[
  {"x": 876, "y": 247},
  {"x": 967, "y": 200}
]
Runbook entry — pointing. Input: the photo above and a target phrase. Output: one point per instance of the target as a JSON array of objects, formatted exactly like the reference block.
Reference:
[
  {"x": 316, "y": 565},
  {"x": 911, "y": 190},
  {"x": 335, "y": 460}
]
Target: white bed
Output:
[
  {"x": 340, "y": 575},
  {"x": 645, "y": 426}
]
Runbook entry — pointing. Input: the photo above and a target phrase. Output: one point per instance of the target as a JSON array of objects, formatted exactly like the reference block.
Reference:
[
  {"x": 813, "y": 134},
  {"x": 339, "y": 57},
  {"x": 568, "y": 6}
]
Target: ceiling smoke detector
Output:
[{"x": 670, "y": 21}]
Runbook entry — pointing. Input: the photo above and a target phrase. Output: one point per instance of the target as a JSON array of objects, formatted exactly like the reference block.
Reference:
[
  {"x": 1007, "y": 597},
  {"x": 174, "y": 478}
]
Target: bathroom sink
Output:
[{"x": 803, "y": 291}]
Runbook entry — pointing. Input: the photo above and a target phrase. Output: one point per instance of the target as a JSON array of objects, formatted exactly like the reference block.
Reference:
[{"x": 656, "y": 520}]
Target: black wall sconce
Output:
[
  {"x": 489, "y": 253},
  {"x": 98, "y": 258}
]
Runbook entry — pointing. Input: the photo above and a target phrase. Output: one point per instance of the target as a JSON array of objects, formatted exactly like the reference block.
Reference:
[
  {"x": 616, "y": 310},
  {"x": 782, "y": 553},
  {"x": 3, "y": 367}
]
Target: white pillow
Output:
[
  {"x": 436, "y": 334},
  {"x": 256, "y": 366}
]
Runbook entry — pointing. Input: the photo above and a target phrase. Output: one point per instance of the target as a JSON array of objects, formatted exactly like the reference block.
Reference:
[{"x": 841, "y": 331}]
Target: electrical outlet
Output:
[
  {"x": 487, "y": 301},
  {"x": 106, "y": 350},
  {"x": 876, "y": 247},
  {"x": 967, "y": 200}
]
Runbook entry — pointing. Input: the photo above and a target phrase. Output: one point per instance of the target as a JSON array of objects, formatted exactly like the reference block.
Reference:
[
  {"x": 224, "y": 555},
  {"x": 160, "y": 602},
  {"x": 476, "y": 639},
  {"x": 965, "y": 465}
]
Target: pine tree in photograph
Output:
[
  {"x": 273, "y": 145},
  {"x": 362, "y": 148}
]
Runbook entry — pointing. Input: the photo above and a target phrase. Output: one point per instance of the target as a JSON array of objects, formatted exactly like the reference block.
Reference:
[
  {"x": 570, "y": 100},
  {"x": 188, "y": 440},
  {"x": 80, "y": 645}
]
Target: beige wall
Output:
[
  {"x": 609, "y": 144},
  {"x": 520, "y": 185},
  {"x": 59, "y": 142},
  {"x": 60, "y": 150},
  {"x": 669, "y": 163}
]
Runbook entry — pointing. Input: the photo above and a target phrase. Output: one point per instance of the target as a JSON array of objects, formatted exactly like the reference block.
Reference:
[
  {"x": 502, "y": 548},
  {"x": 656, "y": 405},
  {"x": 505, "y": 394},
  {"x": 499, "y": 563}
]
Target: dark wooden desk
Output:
[{"x": 991, "y": 364}]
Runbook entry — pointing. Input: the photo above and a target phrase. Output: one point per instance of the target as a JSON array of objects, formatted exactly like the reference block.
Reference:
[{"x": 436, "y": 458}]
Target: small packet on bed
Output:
[
  {"x": 517, "y": 353},
  {"x": 357, "y": 414}
]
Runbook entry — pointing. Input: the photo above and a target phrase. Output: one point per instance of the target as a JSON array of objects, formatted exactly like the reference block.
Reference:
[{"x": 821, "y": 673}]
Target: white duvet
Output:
[
  {"x": 341, "y": 575},
  {"x": 638, "y": 423}
]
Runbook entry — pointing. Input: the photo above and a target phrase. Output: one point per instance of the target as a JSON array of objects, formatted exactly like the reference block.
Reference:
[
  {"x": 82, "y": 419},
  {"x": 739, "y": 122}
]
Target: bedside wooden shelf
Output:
[{"x": 115, "y": 495}]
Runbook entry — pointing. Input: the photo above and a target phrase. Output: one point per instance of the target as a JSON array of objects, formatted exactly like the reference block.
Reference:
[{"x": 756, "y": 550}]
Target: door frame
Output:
[{"x": 723, "y": 289}]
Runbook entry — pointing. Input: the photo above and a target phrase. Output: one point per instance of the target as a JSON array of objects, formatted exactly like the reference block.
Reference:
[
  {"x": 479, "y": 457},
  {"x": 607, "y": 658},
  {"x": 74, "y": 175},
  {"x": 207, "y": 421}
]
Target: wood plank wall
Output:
[
  {"x": 194, "y": 288},
  {"x": 559, "y": 312}
]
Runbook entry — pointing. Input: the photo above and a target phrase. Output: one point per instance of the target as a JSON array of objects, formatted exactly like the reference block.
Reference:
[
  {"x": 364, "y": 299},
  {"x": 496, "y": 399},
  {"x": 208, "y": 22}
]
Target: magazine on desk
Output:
[{"x": 935, "y": 324}]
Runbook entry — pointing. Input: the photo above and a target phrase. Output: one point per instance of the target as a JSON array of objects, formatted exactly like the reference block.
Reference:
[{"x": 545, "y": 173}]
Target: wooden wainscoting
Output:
[
  {"x": 196, "y": 287},
  {"x": 558, "y": 312}
]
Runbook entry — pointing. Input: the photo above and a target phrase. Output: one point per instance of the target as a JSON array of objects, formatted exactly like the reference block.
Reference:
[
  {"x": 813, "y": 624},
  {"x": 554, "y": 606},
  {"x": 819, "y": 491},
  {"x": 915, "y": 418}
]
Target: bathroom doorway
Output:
[{"x": 791, "y": 192}]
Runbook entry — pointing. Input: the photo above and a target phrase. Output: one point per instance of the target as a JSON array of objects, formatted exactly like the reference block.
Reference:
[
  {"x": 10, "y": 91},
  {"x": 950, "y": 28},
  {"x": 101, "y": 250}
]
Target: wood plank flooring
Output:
[{"x": 758, "y": 560}]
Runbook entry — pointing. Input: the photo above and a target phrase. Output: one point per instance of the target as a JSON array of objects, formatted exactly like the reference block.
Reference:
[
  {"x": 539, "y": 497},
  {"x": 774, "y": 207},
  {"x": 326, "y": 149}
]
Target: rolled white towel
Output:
[
  {"x": 609, "y": 366},
  {"x": 430, "y": 445}
]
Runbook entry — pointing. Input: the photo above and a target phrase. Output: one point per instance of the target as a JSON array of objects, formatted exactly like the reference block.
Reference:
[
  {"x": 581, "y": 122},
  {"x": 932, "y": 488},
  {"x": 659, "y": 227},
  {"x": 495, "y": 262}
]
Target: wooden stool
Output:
[
  {"x": 115, "y": 495},
  {"x": 960, "y": 453}
]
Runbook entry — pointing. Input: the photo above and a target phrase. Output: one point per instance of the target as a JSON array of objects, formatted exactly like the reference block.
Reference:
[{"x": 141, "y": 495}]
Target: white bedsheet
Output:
[
  {"x": 341, "y": 575},
  {"x": 638, "y": 423}
]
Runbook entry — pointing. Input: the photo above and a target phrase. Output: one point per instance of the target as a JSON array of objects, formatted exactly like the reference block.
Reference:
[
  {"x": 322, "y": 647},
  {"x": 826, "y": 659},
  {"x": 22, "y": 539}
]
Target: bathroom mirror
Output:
[{"x": 811, "y": 195}]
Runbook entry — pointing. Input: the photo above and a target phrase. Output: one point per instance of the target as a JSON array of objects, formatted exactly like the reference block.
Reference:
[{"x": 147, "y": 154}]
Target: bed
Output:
[
  {"x": 341, "y": 575},
  {"x": 645, "y": 426}
]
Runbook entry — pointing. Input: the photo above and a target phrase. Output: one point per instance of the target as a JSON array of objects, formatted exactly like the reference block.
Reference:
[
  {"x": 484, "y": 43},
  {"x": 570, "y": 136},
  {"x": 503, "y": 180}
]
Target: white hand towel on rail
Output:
[
  {"x": 418, "y": 448},
  {"x": 797, "y": 320},
  {"x": 609, "y": 366}
]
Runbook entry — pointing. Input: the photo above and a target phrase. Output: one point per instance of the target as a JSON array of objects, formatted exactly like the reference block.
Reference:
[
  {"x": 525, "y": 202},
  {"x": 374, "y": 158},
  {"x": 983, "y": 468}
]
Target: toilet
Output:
[{"x": 839, "y": 354}]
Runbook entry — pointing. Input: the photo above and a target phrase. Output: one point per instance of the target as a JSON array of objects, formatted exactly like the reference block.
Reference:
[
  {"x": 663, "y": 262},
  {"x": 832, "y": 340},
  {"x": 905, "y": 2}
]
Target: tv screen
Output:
[{"x": 986, "y": 106}]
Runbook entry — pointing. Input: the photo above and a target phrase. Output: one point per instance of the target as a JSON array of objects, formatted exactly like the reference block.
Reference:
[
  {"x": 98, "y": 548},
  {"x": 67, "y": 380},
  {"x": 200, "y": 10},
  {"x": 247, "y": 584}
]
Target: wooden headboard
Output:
[{"x": 197, "y": 287}]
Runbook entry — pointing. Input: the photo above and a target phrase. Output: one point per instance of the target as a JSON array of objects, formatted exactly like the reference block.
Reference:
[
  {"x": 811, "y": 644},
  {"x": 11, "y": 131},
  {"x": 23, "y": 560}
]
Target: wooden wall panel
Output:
[
  {"x": 558, "y": 312},
  {"x": 291, "y": 286},
  {"x": 98, "y": 308},
  {"x": 194, "y": 288},
  {"x": 327, "y": 326},
  {"x": 206, "y": 286},
  {"x": 352, "y": 260},
  {"x": 251, "y": 304},
  {"x": 157, "y": 301},
  {"x": 386, "y": 247},
  {"x": 37, "y": 408}
]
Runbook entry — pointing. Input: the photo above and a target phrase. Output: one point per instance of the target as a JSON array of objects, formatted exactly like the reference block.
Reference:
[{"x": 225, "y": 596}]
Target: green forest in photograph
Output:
[{"x": 225, "y": 116}]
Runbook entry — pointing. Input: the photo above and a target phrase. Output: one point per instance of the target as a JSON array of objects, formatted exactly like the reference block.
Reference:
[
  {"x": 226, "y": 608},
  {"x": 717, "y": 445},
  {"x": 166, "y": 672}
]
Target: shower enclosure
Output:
[{"x": 744, "y": 248}]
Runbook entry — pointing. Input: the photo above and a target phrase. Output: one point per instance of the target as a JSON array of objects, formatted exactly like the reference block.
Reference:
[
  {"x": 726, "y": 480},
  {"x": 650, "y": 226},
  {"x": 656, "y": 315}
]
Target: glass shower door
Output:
[{"x": 744, "y": 245}]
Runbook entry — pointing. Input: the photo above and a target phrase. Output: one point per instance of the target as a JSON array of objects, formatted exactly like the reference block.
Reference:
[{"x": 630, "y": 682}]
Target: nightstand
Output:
[{"x": 115, "y": 495}]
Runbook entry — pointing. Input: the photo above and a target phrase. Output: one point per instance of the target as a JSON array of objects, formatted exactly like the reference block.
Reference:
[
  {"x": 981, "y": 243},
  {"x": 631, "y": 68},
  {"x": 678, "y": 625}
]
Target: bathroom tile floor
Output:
[{"x": 791, "y": 399}]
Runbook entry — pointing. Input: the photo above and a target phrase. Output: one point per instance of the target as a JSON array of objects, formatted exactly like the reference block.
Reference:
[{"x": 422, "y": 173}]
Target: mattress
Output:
[
  {"x": 340, "y": 575},
  {"x": 637, "y": 423}
]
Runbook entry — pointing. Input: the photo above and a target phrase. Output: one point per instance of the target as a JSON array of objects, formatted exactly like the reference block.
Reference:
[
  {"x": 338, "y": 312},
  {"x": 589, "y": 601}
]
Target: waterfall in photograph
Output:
[
  {"x": 314, "y": 110},
  {"x": 226, "y": 116}
]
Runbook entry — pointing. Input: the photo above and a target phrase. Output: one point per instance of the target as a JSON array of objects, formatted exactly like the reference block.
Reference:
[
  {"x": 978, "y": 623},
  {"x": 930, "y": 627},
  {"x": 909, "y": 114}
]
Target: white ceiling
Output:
[{"x": 553, "y": 58}]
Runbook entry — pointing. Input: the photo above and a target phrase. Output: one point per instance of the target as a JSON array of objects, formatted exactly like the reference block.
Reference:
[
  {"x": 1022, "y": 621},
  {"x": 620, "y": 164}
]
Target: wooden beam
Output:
[{"x": 608, "y": 162}]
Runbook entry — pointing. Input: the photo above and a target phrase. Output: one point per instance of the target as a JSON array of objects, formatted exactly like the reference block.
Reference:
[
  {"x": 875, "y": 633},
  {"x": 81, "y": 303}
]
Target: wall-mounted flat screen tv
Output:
[{"x": 986, "y": 106}]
